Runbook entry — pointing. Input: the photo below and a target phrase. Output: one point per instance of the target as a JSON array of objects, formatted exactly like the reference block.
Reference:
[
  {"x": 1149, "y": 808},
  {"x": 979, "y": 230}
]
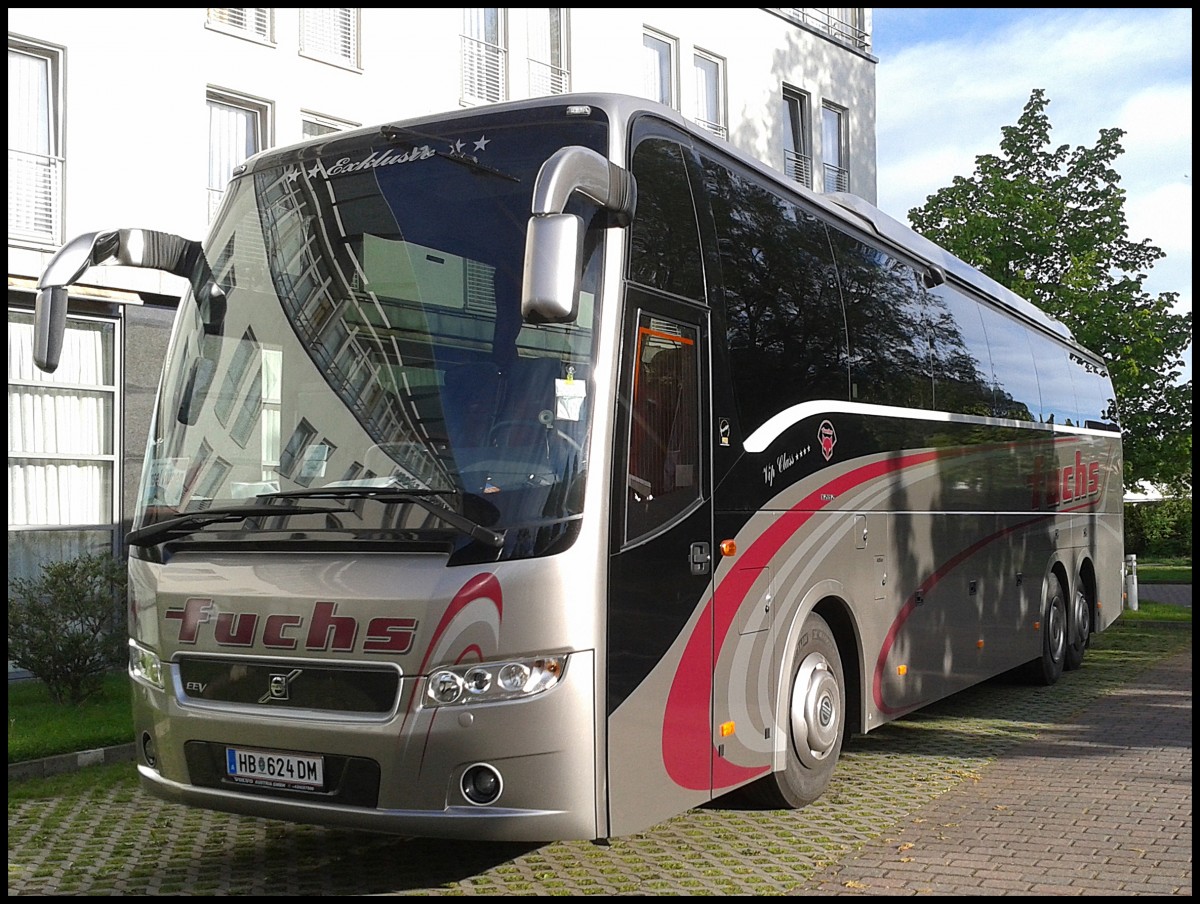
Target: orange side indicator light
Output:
[
  {"x": 1037, "y": 626},
  {"x": 726, "y": 729},
  {"x": 901, "y": 670},
  {"x": 728, "y": 548},
  {"x": 979, "y": 644}
]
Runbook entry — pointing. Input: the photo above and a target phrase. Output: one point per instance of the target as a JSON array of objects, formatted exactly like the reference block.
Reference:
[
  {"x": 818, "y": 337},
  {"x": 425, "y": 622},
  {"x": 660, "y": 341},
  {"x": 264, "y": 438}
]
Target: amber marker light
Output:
[
  {"x": 979, "y": 643},
  {"x": 726, "y": 729},
  {"x": 901, "y": 670},
  {"x": 728, "y": 548}
]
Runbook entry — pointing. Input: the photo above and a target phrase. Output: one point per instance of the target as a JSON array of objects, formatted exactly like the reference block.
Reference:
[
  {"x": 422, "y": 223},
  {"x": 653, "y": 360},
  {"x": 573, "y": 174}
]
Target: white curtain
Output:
[
  {"x": 56, "y": 422},
  {"x": 232, "y": 137},
  {"x": 28, "y": 103},
  {"x": 656, "y": 69}
]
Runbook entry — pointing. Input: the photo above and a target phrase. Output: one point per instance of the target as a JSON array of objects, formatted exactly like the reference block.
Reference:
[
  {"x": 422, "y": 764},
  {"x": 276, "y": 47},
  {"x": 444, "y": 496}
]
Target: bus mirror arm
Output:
[
  {"x": 128, "y": 247},
  {"x": 554, "y": 239}
]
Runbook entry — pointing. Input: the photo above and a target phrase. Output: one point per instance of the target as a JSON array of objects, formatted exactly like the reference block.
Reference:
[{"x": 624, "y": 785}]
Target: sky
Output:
[{"x": 949, "y": 80}]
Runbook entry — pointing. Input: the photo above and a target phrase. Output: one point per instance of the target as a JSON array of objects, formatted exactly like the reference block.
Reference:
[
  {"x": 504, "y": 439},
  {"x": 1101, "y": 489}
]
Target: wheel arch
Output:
[
  {"x": 1086, "y": 577},
  {"x": 841, "y": 622}
]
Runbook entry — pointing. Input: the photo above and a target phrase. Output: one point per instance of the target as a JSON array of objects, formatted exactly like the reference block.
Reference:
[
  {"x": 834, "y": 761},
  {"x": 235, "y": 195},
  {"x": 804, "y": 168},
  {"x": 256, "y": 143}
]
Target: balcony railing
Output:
[
  {"x": 546, "y": 79},
  {"x": 798, "y": 167},
  {"x": 484, "y": 71},
  {"x": 34, "y": 197},
  {"x": 215, "y": 196},
  {"x": 715, "y": 127},
  {"x": 836, "y": 178},
  {"x": 843, "y": 24}
]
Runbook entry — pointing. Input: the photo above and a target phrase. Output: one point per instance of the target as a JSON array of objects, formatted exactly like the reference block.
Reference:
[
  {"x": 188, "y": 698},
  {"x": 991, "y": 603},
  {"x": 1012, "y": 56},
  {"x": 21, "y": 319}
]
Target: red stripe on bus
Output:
[{"x": 688, "y": 749}]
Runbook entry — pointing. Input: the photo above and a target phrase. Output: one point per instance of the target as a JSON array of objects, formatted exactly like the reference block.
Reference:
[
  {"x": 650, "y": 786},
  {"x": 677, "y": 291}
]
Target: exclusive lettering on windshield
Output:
[{"x": 377, "y": 159}]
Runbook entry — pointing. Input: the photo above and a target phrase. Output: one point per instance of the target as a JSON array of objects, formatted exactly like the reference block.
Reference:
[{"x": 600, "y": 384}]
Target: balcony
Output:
[
  {"x": 545, "y": 79},
  {"x": 35, "y": 197},
  {"x": 715, "y": 127},
  {"x": 836, "y": 178},
  {"x": 798, "y": 167},
  {"x": 843, "y": 24},
  {"x": 484, "y": 71}
]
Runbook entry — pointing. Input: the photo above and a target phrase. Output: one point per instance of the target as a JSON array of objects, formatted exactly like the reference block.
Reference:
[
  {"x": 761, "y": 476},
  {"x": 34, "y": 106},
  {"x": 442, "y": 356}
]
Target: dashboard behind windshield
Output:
[{"x": 370, "y": 346}]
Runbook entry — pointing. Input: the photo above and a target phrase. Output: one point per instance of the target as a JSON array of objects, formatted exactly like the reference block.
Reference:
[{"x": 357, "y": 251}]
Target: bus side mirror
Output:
[
  {"x": 128, "y": 247},
  {"x": 50, "y": 310},
  {"x": 50, "y": 325},
  {"x": 554, "y": 239},
  {"x": 553, "y": 259}
]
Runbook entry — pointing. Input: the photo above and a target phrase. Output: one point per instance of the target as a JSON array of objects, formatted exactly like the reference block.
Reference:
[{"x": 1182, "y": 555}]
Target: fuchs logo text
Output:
[
  {"x": 1053, "y": 486},
  {"x": 322, "y": 631}
]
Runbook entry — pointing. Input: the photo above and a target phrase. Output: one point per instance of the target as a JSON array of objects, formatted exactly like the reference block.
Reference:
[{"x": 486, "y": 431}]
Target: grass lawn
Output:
[
  {"x": 39, "y": 727},
  {"x": 1150, "y": 572}
]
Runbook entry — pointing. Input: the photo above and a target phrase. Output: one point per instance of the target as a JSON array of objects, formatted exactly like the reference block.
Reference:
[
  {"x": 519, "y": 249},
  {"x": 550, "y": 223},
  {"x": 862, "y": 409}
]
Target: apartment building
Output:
[{"x": 124, "y": 117}]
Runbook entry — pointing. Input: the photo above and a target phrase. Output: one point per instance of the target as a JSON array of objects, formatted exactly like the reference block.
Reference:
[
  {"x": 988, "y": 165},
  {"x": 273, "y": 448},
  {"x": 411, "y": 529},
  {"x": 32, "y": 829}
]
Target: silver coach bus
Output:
[{"x": 542, "y": 470}]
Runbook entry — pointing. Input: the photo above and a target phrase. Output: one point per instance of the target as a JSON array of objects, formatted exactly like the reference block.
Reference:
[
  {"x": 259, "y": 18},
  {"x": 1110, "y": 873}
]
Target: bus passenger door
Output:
[{"x": 660, "y": 622}]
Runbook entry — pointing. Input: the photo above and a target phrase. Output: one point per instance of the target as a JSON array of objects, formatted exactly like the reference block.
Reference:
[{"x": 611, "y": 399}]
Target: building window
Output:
[
  {"x": 237, "y": 128},
  {"x": 710, "y": 92},
  {"x": 834, "y": 161},
  {"x": 330, "y": 35},
  {"x": 246, "y": 22},
  {"x": 658, "y": 68},
  {"x": 547, "y": 35},
  {"x": 484, "y": 57},
  {"x": 797, "y": 153},
  {"x": 62, "y": 445},
  {"x": 34, "y": 143},
  {"x": 313, "y": 124}
]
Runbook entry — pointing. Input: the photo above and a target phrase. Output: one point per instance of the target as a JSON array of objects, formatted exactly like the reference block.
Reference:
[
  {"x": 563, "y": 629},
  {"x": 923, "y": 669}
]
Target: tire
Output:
[
  {"x": 816, "y": 723},
  {"x": 1048, "y": 667},
  {"x": 1079, "y": 626}
]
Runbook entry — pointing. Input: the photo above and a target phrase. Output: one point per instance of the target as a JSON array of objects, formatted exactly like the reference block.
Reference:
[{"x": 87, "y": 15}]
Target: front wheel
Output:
[{"x": 816, "y": 723}]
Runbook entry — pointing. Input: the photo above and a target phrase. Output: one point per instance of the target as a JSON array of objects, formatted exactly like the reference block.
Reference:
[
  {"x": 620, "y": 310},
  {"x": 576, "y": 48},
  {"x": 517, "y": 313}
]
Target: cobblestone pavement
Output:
[{"x": 1081, "y": 788}]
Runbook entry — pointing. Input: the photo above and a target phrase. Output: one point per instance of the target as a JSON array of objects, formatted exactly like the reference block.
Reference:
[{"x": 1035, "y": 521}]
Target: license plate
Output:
[{"x": 269, "y": 769}]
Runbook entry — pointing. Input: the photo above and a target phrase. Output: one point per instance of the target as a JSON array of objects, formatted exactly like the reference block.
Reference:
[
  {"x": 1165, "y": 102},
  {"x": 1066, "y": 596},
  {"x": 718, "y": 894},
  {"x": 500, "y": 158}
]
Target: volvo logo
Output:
[{"x": 279, "y": 685}]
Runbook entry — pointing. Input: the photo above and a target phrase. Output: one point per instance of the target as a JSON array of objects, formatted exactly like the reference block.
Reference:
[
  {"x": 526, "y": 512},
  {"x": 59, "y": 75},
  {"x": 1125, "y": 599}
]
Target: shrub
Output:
[
  {"x": 1162, "y": 528},
  {"x": 68, "y": 626}
]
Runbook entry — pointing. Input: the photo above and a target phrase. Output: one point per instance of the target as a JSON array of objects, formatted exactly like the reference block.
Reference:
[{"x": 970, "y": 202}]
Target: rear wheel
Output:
[
  {"x": 1048, "y": 667},
  {"x": 816, "y": 723},
  {"x": 1079, "y": 626}
]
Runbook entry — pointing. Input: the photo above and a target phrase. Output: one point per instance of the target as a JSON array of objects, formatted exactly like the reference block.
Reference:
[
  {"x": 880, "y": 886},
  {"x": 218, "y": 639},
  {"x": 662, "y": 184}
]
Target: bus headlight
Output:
[
  {"x": 145, "y": 666},
  {"x": 489, "y": 682}
]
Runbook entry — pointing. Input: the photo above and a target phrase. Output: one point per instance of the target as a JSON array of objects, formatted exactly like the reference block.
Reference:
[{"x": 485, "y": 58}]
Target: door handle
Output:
[{"x": 700, "y": 558}]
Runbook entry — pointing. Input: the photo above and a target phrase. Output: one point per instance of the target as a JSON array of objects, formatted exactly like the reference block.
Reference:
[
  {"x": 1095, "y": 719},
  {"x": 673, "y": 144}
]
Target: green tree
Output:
[{"x": 1049, "y": 223}]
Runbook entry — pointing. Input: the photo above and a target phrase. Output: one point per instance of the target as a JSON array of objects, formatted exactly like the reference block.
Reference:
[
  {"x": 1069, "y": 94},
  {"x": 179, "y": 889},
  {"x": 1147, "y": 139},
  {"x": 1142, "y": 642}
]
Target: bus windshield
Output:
[{"x": 359, "y": 370}]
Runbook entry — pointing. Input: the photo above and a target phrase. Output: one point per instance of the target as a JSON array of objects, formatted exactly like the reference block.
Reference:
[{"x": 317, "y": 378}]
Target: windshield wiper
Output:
[
  {"x": 412, "y": 138},
  {"x": 474, "y": 164},
  {"x": 389, "y": 495},
  {"x": 190, "y": 522}
]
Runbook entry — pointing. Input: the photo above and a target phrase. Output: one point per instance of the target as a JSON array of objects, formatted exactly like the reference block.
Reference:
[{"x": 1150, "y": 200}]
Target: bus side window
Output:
[{"x": 664, "y": 442}]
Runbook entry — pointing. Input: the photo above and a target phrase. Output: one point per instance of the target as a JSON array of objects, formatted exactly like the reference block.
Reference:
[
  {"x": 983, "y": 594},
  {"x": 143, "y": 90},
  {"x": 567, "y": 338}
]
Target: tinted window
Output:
[
  {"x": 1054, "y": 378},
  {"x": 887, "y": 325},
  {"x": 1093, "y": 392},
  {"x": 1014, "y": 380},
  {"x": 665, "y": 246},
  {"x": 784, "y": 324},
  {"x": 962, "y": 366}
]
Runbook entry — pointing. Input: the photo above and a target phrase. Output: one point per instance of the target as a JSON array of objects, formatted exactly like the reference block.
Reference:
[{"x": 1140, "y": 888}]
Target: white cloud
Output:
[{"x": 949, "y": 80}]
